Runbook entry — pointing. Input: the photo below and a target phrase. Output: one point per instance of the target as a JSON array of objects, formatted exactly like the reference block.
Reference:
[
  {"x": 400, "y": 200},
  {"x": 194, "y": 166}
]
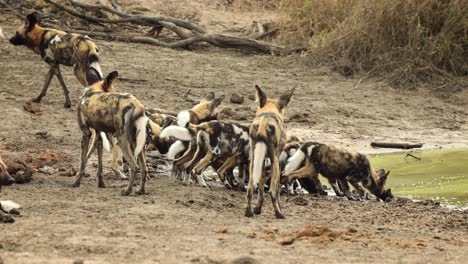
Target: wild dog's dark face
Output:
[
  {"x": 5, "y": 178},
  {"x": 206, "y": 110},
  {"x": 382, "y": 193},
  {"x": 25, "y": 34}
]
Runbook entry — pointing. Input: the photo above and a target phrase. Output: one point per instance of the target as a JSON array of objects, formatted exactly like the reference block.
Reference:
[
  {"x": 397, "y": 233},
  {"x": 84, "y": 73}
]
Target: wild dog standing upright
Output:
[
  {"x": 267, "y": 138},
  {"x": 56, "y": 48},
  {"x": 118, "y": 114}
]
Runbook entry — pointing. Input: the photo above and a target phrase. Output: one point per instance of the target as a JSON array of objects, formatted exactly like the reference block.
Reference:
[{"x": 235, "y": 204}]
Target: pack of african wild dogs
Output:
[{"x": 255, "y": 157}]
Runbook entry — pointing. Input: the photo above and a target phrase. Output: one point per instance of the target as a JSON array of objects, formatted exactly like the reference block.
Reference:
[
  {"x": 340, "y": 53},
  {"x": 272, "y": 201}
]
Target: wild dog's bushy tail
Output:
[
  {"x": 178, "y": 132},
  {"x": 175, "y": 149},
  {"x": 140, "y": 125},
  {"x": 294, "y": 162},
  {"x": 299, "y": 156},
  {"x": 260, "y": 152}
]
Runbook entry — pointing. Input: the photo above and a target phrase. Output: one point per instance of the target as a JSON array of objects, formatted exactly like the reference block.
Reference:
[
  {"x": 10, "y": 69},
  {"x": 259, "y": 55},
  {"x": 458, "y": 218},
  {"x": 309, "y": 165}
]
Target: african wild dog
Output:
[
  {"x": 180, "y": 151},
  {"x": 267, "y": 139},
  {"x": 118, "y": 114},
  {"x": 56, "y": 48},
  {"x": 337, "y": 164},
  {"x": 5, "y": 180},
  {"x": 213, "y": 141}
]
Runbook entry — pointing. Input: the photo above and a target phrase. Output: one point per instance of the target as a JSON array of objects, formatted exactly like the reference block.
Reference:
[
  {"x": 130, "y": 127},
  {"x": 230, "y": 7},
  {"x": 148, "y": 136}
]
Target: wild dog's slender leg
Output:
[
  {"x": 178, "y": 164},
  {"x": 67, "y": 103},
  {"x": 359, "y": 189},
  {"x": 201, "y": 149},
  {"x": 343, "y": 183},
  {"x": 201, "y": 166},
  {"x": 242, "y": 176},
  {"x": 84, "y": 151},
  {"x": 248, "y": 210},
  {"x": 115, "y": 161},
  {"x": 275, "y": 185},
  {"x": 99, "y": 172},
  {"x": 261, "y": 194},
  {"x": 46, "y": 84},
  {"x": 308, "y": 171},
  {"x": 335, "y": 187},
  {"x": 228, "y": 164},
  {"x": 144, "y": 172},
  {"x": 128, "y": 155}
]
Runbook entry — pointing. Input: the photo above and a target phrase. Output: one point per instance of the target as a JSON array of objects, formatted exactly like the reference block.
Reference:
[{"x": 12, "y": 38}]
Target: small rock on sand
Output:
[{"x": 236, "y": 98}]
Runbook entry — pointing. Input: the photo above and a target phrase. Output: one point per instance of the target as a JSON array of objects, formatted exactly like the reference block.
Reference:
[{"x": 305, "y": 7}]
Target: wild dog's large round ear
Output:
[
  {"x": 285, "y": 98},
  {"x": 209, "y": 96},
  {"x": 383, "y": 179},
  {"x": 110, "y": 79},
  {"x": 261, "y": 96},
  {"x": 32, "y": 19},
  {"x": 216, "y": 102}
]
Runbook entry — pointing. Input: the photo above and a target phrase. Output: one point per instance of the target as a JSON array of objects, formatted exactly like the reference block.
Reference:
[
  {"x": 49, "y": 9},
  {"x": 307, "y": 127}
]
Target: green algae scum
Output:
[{"x": 440, "y": 174}]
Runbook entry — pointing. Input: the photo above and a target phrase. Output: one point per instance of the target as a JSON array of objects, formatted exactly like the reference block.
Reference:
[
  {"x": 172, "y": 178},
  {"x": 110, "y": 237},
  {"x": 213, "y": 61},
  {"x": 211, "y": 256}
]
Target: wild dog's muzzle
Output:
[
  {"x": 6, "y": 180},
  {"x": 17, "y": 40}
]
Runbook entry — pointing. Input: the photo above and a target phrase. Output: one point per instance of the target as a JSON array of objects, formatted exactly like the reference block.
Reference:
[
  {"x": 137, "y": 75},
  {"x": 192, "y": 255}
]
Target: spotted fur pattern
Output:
[
  {"x": 57, "y": 48},
  {"x": 267, "y": 139}
]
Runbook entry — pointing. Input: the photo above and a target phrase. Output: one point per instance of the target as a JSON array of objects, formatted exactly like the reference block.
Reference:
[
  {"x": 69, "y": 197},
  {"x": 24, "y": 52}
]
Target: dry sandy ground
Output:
[{"x": 178, "y": 224}]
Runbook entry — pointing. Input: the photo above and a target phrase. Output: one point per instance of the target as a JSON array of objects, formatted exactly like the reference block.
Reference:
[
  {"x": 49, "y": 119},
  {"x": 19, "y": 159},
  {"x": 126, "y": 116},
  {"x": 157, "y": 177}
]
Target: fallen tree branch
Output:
[
  {"x": 412, "y": 156},
  {"x": 395, "y": 145},
  {"x": 188, "y": 32}
]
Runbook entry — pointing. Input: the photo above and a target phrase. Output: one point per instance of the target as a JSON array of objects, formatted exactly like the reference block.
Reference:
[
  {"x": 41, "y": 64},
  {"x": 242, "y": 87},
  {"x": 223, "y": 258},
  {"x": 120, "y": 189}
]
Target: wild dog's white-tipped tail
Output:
[
  {"x": 176, "y": 131},
  {"x": 1, "y": 33},
  {"x": 95, "y": 65},
  {"x": 183, "y": 118},
  {"x": 105, "y": 141},
  {"x": 294, "y": 162},
  {"x": 258, "y": 162},
  {"x": 140, "y": 125},
  {"x": 7, "y": 206},
  {"x": 175, "y": 149}
]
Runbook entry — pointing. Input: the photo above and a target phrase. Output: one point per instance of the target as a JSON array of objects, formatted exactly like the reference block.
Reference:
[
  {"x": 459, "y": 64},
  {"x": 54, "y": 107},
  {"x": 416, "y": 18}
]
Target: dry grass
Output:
[{"x": 404, "y": 41}]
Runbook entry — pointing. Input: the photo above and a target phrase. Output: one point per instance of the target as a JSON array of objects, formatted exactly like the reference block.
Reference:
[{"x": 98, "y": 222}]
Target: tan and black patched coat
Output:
[{"x": 58, "y": 47}]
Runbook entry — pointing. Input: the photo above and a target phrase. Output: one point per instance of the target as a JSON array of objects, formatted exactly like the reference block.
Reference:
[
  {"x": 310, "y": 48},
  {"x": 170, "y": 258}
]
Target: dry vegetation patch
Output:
[{"x": 404, "y": 41}]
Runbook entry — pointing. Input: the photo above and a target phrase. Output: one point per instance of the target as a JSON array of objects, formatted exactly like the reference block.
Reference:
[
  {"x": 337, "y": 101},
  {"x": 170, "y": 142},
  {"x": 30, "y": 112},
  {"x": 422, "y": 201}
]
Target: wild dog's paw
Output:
[
  {"x": 101, "y": 184},
  {"x": 248, "y": 212},
  {"x": 125, "y": 193},
  {"x": 75, "y": 184},
  {"x": 279, "y": 215},
  {"x": 36, "y": 100},
  {"x": 140, "y": 192},
  {"x": 67, "y": 104},
  {"x": 258, "y": 210}
]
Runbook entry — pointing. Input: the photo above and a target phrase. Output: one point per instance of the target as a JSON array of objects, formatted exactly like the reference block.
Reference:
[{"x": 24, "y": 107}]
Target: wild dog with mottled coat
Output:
[
  {"x": 118, "y": 114},
  {"x": 214, "y": 140},
  {"x": 57, "y": 48},
  {"x": 267, "y": 139},
  {"x": 337, "y": 164},
  {"x": 180, "y": 151},
  {"x": 5, "y": 180}
]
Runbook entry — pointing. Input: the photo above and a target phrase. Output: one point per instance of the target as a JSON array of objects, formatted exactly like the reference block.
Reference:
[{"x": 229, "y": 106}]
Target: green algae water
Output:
[{"x": 440, "y": 174}]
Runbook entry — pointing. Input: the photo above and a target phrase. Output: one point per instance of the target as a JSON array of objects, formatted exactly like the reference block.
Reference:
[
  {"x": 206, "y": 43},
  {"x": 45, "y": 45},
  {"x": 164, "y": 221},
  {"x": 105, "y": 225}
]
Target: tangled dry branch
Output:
[{"x": 187, "y": 32}]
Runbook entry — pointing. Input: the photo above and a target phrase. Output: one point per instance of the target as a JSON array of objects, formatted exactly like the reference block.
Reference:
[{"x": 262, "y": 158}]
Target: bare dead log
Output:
[
  {"x": 395, "y": 145},
  {"x": 188, "y": 32}
]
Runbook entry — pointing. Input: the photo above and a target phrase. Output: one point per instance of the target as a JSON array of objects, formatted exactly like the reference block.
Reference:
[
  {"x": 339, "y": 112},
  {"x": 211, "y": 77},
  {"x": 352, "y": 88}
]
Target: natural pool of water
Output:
[{"x": 440, "y": 174}]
